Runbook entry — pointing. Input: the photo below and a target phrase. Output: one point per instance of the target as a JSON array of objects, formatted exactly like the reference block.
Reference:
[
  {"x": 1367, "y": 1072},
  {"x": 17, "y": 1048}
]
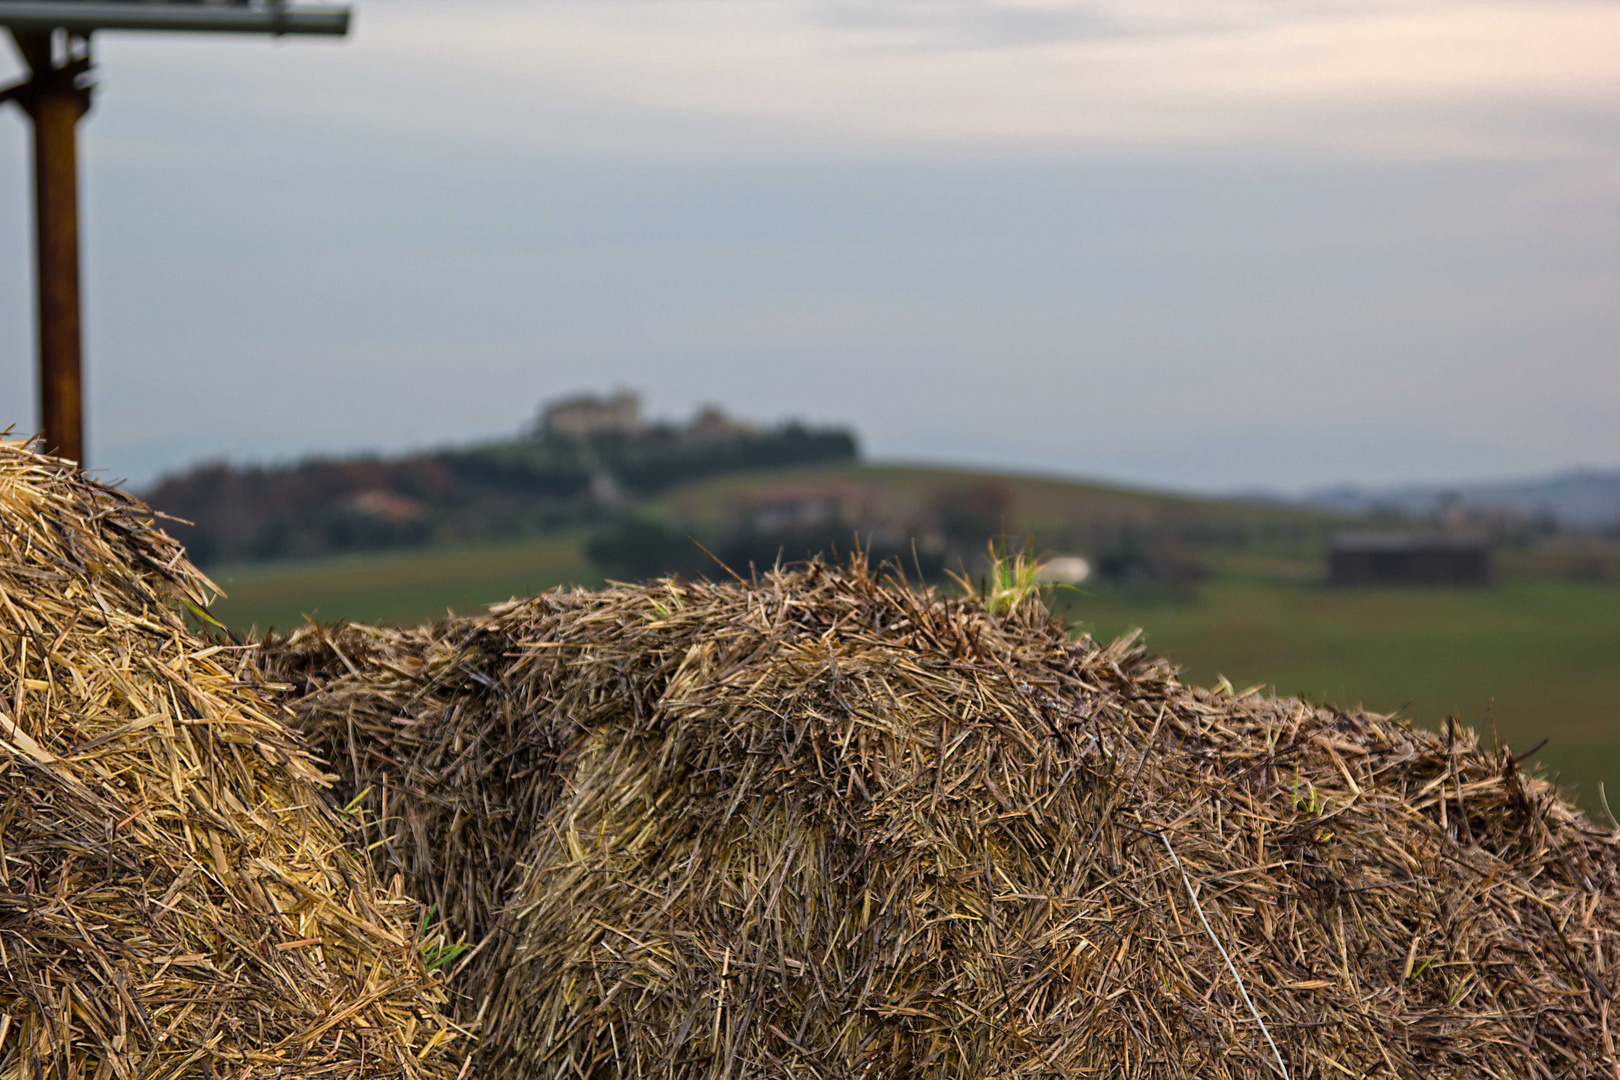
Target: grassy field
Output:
[
  {"x": 1540, "y": 659},
  {"x": 1536, "y": 659},
  {"x": 397, "y": 587}
]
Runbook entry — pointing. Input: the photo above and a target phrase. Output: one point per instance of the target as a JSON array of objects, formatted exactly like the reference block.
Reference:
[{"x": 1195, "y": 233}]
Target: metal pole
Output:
[
  {"x": 55, "y": 102},
  {"x": 55, "y": 97}
]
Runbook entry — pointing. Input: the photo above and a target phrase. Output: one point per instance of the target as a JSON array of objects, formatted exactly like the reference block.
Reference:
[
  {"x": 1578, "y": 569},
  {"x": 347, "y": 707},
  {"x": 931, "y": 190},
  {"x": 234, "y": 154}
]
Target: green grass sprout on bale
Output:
[
  {"x": 1011, "y": 579},
  {"x": 437, "y": 951}
]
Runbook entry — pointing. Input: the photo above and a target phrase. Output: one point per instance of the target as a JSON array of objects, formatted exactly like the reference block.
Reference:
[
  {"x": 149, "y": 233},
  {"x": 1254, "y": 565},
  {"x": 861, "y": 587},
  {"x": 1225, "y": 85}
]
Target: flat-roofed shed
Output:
[{"x": 1408, "y": 558}]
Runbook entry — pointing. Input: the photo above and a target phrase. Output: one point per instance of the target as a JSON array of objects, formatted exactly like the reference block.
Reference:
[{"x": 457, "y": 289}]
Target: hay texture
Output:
[
  {"x": 819, "y": 824},
  {"x": 176, "y": 897}
]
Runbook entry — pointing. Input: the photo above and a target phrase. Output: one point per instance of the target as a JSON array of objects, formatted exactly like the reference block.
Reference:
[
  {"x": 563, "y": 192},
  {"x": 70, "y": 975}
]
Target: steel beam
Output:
[{"x": 85, "y": 16}]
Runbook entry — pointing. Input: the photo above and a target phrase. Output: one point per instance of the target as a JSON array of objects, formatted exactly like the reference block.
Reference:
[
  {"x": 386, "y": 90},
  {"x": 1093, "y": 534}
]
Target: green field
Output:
[
  {"x": 1536, "y": 659},
  {"x": 397, "y": 587},
  {"x": 1540, "y": 658}
]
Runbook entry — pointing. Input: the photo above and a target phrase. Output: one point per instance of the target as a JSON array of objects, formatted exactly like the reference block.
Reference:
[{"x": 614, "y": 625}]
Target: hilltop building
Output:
[{"x": 586, "y": 416}]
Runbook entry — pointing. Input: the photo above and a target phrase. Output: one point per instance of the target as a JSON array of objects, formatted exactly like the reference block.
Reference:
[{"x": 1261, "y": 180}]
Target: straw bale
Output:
[
  {"x": 820, "y": 824},
  {"x": 176, "y": 896}
]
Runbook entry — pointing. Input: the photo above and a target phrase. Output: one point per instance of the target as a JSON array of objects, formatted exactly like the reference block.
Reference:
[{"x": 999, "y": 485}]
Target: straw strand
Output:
[{"x": 1192, "y": 894}]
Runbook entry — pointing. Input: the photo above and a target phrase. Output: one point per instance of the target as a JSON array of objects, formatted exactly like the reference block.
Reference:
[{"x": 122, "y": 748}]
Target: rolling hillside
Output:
[
  {"x": 1037, "y": 506},
  {"x": 407, "y": 586}
]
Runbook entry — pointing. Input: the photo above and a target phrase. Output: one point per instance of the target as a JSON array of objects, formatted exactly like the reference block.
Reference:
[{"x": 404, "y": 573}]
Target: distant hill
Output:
[
  {"x": 646, "y": 498},
  {"x": 1148, "y": 541},
  {"x": 1581, "y": 499},
  {"x": 1061, "y": 510},
  {"x": 503, "y": 490}
]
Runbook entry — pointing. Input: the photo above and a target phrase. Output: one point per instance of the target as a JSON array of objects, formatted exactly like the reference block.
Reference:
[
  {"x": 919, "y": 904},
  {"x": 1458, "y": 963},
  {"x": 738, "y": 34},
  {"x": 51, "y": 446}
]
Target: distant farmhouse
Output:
[
  {"x": 788, "y": 508},
  {"x": 1408, "y": 558}
]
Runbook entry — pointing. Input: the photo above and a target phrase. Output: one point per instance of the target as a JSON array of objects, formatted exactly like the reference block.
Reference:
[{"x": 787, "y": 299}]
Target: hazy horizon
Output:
[{"x": 1205, "y": 247}]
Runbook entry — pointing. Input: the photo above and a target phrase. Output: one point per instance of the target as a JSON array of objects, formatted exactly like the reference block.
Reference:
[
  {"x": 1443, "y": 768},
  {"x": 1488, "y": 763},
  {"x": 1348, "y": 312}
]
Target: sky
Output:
[{"x": 1211, "y": 245}]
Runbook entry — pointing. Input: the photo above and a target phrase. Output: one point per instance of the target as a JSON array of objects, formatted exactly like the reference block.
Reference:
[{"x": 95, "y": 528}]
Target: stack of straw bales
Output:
[
  {"x": 819, "y": 824},
  {"x": 176, "y": 896}
]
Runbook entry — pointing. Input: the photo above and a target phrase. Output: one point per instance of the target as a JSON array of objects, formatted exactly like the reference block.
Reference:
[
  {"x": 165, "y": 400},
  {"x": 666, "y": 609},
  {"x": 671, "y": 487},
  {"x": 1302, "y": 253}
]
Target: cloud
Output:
[
  {"x": 1393, "y": 76},
  {"x": 1112, "y": 228},
  {"x": 750, "y": 81}
]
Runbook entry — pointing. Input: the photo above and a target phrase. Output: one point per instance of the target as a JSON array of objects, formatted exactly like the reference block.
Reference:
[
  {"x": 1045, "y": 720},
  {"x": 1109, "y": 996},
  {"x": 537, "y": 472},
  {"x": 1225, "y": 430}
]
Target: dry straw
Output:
[
  {"x": 176, "y": 897},
  {"x": 821, "y": 824}
]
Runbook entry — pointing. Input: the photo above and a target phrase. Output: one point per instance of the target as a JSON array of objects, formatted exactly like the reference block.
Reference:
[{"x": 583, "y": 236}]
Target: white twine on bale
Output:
[{"x": 1193, "y": 893}]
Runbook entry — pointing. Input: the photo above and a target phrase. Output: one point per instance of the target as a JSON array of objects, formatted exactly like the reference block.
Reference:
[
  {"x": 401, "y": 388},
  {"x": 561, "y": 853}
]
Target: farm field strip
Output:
[{"x": 1540, "y": 659}]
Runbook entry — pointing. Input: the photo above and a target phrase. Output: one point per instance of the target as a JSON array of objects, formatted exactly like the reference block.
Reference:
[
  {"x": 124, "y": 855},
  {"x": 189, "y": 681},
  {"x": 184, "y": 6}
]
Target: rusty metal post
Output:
[{"x": 55, "y": 101}]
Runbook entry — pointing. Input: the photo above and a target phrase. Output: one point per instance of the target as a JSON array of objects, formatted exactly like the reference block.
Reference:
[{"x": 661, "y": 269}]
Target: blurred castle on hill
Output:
[{"x": 585, "y": 417}]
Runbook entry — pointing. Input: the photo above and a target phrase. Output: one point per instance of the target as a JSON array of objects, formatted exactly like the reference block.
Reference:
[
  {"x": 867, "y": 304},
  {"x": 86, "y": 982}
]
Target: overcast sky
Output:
[{"x": 1210, "y": 244}]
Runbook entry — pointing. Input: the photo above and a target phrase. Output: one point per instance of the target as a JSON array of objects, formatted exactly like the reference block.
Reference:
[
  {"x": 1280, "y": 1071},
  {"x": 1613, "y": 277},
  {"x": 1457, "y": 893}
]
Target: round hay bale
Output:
[
  {"x": 820, "y": 824},
  {"x": 176, "y": 897}
]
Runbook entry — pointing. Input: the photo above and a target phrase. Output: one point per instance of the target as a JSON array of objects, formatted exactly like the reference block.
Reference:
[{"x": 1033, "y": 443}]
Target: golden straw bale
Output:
[
  {"x": 821, "y": 824},
  {"x": 176, "y": 895}
]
